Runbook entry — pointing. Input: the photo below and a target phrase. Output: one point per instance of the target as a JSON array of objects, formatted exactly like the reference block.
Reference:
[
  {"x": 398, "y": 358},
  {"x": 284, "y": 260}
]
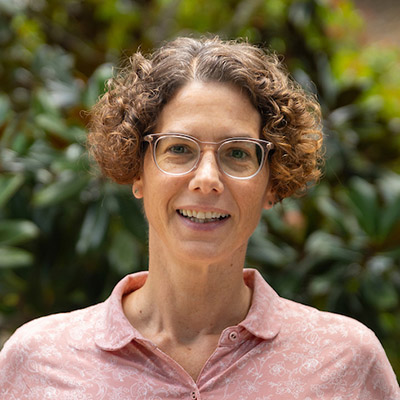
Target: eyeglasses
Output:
[{"x": 178, "y": 154}]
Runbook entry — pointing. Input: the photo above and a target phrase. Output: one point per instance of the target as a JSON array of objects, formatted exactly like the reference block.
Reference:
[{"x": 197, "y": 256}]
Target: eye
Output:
[
  {"x": 238, "y": 154},
  {"x": 178, "y": 149}
]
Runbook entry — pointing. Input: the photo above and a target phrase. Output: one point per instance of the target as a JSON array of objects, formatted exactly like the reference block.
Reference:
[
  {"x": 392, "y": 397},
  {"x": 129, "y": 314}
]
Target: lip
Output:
[{"x": 206, "y": 226}]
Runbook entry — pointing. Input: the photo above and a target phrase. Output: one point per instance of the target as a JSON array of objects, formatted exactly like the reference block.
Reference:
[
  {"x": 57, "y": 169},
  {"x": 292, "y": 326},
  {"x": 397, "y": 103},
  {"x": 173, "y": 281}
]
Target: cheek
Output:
[
  {"x": 159, "y": 191},
  {"x": 256, "y": 191},
  {"x": 249, "y": 201}
]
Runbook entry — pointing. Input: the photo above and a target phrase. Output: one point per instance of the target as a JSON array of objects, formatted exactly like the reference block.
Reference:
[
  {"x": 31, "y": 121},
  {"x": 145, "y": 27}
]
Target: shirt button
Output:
[
  {"x": 193, "y": 395},
  {"x": 233, "y": 336}
]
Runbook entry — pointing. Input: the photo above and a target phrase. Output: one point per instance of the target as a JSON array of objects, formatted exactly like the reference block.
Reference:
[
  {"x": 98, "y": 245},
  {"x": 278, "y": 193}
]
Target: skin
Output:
[{"x": 195, "y": 287}]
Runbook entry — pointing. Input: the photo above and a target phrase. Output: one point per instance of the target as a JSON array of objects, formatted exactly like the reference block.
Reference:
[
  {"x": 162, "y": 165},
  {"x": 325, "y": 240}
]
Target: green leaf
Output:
[
  {"x": 321, "y": 285},
  {"x": 96, "y": 85},
  {"x": 94, "y": 228},
  {"x": 124, "y": 252},
  {"x": 17, "y": 231},
  {"x": 12, "y": 257},
  {"x": 331, "y": 211},
  {"x": 60, "y": 191},
  {"x": 42, "y": 104},
  {"x": 9, "y": 184},
  {"x": 4, "y": 108},
  {"x": 262, "y": 250},
  {"x": 132, "y": 216},
  {"x": 57, "y": 126},
  {"x": 389, "y": 186},
  {"x": 364, "y": 202},
  {"x": 389, "y": 218},
  {"x": 379, "y": 293},
  {"x": 323, "y": 246}
]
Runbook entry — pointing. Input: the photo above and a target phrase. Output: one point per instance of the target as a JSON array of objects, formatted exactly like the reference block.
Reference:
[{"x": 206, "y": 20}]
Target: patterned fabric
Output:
[{"x": 282, "y": 350}]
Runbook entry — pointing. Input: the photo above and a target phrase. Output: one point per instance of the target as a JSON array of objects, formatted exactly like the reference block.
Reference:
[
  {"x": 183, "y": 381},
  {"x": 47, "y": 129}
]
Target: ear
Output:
[
  {"x": 137, "y": 188},
  {"x": 269, "y": 200}
]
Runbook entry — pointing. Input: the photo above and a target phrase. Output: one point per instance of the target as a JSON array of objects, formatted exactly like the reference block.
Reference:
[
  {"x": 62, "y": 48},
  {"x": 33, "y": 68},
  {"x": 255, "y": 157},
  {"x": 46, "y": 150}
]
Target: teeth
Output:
[{"x": 202, "y": 216}]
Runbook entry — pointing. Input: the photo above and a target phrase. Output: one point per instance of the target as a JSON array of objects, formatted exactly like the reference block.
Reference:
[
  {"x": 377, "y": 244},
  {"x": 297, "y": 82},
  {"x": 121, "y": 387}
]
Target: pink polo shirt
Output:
[{"x": 282, "y": 350}]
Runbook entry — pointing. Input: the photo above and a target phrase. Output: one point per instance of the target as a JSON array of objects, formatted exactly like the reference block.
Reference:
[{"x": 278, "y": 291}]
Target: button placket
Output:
[{"x": 193, "y": 395}]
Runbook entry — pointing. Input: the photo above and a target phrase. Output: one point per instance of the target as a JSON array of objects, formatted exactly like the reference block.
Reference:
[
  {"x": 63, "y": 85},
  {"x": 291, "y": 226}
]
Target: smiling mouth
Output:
[{"x": 203, "y": 217}]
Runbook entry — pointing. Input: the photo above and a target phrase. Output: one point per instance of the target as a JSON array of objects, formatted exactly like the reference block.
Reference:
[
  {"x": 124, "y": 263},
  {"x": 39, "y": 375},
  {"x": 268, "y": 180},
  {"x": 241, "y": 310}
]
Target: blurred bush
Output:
[{"x": 67, "y": 235}]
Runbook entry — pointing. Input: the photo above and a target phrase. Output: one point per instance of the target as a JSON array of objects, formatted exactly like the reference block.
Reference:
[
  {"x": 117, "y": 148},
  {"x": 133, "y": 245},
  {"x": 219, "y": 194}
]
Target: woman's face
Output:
[{"x": 210, "y": 112}]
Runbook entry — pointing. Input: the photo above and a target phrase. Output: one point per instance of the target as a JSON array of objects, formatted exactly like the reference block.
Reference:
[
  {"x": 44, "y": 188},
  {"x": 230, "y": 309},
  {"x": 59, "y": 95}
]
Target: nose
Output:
[{"x": 207, "y": 176}]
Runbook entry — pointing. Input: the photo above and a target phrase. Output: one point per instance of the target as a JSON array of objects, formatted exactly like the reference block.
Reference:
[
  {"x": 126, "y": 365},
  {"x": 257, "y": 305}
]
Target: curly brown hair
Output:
[{"x": 291, "y": 118}]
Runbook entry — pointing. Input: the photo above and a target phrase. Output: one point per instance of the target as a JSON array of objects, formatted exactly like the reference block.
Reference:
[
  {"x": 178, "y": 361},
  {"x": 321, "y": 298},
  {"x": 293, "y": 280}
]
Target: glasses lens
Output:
[
  {"x": 176, "y": 154},
  {"x": 240, "y": 158}
]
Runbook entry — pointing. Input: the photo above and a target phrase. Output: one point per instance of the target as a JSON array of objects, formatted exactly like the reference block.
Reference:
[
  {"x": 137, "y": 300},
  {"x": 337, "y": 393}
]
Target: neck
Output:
[{"x": 189, "y": 299}]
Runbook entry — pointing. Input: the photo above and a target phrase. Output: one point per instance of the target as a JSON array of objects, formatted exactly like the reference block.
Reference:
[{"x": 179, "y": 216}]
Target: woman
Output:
[{"x": 209, "y": 134}]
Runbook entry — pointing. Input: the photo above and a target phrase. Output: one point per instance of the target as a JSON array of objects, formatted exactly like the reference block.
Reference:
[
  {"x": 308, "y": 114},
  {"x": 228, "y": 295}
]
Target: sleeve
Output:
[
  {"x": 380, "y": 381},
  {"x": 353, "y": 362}
]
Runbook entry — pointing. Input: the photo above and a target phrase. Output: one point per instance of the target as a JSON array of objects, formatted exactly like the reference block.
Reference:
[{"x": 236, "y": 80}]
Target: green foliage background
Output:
[{"x": 67, "y": 235}]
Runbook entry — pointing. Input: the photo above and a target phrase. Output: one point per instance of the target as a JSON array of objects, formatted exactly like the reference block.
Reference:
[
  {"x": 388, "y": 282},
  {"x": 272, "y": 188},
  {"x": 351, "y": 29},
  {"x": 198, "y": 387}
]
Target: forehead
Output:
[{"x": 210, "y": 109}]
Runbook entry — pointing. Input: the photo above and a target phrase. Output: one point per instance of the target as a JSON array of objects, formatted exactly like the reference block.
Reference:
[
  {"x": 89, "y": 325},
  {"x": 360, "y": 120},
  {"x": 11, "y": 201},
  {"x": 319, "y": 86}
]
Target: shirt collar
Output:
[
  {"x": 114, "y": 331},
  {"x": 264, "y": 317}
]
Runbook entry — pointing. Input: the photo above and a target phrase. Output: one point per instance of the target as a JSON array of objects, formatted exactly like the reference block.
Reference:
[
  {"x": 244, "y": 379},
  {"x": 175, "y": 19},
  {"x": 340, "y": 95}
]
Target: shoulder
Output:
[
  {"x": 69, "y": 326},
  {"x": 348, "y": 354},
  {"x": 48, "y": 337},
  {"x": 325, "y": 329},
  {"x": 36, "y": 348}
]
